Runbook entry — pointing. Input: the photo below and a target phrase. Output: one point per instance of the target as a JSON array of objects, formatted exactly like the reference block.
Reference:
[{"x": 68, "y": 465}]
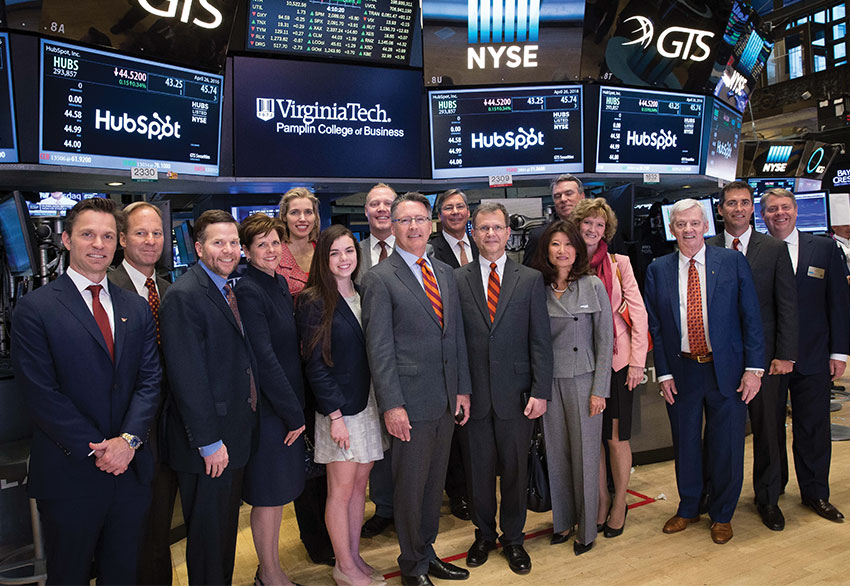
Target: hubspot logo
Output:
[{"x": 676, "y": 42}]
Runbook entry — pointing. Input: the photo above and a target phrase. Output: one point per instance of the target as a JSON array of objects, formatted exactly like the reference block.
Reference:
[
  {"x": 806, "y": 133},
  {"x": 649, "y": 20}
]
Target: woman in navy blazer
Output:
[
  {"x": 275, "y": 473},
  {"x": 348, "y": 430}
]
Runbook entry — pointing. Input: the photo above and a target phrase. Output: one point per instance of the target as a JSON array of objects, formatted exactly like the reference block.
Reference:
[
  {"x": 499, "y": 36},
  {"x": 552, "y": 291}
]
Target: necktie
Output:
[
  {"x": 153, "y": 301},
  {"x": 102, "y": 319},
  {"x": 431, "y": 289},
  {"x": 464, "y": 260},
  {"x": 493, "y": 288},
  {"x": 231, "y": 301},
  {"x": 736, "y": 244},
  {"x": 696, "y": 332},
  {"x": 383, "y": 253}
]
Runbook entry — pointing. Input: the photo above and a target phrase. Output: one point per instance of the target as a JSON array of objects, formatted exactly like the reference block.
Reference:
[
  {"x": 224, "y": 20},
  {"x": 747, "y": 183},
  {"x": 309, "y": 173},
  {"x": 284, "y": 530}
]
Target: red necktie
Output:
[
  {"x": 231, "y": 301},
  {"x": 153, "y": 301},
  {"x": 431, "y": 289},
  {"x": 493, "y": 288},
  {"x": 102, "y": 319},
  {"x": 696, "y": 331},
  {"x": 736, "y": 244},
  {"x": 383, "y": 253}
]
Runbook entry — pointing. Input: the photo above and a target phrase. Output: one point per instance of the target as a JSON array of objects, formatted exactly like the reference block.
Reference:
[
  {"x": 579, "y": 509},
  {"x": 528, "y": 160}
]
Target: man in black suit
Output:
[
  {"x": 567, "y": 191},
  {"x": 142, "y": 239},
  {"x": 824, "y": 343},
  {"x": 213, "y": 397},
  {"x": 777, "y": 294},
  {"x": 510, "y": 364},
  {"x": 84, "y": 354},
  {"x": 417, "y": 354}
]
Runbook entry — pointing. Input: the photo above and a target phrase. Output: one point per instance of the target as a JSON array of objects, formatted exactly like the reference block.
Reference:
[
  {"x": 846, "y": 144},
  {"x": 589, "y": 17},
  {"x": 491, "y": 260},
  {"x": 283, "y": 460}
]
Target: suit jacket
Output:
[
  {"x": 823, "y": 303},
  {"x": 75, "y": 392},
  {"x": 777, "y": 293},
  {"x": 444, "y": 253},
  {"x": 415, "y": 363},
  {"x": 268, "y": 317},
  {"x": 209, "y": 362},
  {"x": 345, "y": 385},
  {"x": 513, "y": 354},
  {"x": 632, "y": 345},
  {"x": 734, "y": 318},
  {"x": 119, "y": 276}
]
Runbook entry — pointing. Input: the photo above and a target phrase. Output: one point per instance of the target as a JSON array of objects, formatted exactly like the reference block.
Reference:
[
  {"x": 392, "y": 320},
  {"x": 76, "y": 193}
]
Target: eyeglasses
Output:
[
  {"x": 407, "y": 222},
  {"x": 496, "y": 229},
  {"x": 447, "y": 209}
]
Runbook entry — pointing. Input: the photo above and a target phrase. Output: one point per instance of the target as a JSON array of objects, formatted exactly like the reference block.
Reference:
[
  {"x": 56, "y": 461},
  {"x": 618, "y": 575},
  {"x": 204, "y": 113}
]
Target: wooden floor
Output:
[{"x": 810, "y": 550}]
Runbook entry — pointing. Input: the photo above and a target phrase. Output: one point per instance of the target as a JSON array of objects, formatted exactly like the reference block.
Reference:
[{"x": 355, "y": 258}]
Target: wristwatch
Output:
[{"x": 133, "y": 440}]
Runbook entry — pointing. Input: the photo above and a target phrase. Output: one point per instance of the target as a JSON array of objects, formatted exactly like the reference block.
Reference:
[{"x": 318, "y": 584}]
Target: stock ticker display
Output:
[
  {"x": 8, "y": 136},
  {"x": 517, "y": 131},
  {"x": 378, "y": 31},
  {"x": 643, "y": 131},
  {"x": 101, "y": 110}
]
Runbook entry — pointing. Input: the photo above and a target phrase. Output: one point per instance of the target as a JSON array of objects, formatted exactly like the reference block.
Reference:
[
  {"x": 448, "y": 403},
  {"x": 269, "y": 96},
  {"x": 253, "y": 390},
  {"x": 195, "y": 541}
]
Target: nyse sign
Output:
[{"x": 510, "y": 25}]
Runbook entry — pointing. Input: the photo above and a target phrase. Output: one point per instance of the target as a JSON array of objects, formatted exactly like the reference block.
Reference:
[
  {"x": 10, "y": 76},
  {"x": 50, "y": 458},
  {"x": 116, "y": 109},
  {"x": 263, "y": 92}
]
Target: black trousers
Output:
[
  {"x": 310, "y": 514},
  {"x": 155, "y": 553},
  {"x": 455, "y": 474}
]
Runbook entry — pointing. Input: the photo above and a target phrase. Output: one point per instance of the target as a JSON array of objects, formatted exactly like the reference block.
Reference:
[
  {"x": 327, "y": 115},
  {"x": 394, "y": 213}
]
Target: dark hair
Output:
[
  {"x": 322, "y": 288},
  {"x": 541, "y": 262},
  {"x": 734, "y": 185},
  {"x": 95, "y": 204},
  {"x": 441, "y": 199},
  {"x": 491, "y": 207},
  {"x": 211, "y": 217},
  {"x": 411, "y": 196},
  {"x": 567, "y": 177},
  {"x": 258, "y": 225}
]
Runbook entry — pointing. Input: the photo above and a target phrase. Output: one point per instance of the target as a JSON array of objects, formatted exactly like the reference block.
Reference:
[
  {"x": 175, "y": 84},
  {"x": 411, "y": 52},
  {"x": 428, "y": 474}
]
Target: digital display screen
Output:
[
  {"x": 16, "y": 235},
  {"x": 811, "y": 213},
  {"x": 517, "y": 131},
  {"x": 642, "y": 131},
  {"x": 724, "y": 132},
  {"x": 777, "y": 158},
  {"x": 8, "y": 135},
  {"x": 57, "y": 203},
  {"x": 300, "y": 119},
  {"x": 761, "y": 185},
  {"x": 242, "y": 212},
  {"x": 707, "y": 207},
  {"x": 101, "y": 110},
  {"x": 380, "y": 31}
]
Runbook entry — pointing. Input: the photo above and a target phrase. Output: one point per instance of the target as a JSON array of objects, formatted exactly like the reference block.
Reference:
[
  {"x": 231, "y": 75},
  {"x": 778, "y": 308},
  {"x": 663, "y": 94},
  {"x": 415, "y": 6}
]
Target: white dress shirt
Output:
[
  {"x": 455, "y": 246},
  {"x": 485, "y": 270},
  {"x": 375, "y": 247},
  {"x": 684, "y": 265},
  {"x": 410, "y": 259},
  {"x": 793, "y": 242},
  {"x": 744, "y": 240},
  {"x": 138, "y": 279},
  {"x": 81, "y": 282}
]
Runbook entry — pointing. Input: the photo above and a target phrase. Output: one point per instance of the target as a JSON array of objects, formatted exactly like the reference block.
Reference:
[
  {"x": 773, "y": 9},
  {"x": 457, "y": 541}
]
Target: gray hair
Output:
[
  {"x": 411, "y": 196},
  {"x": 684, "y": 205},
  {"x": 568, "y": 177},
  {"x": 776, "y": 192}
]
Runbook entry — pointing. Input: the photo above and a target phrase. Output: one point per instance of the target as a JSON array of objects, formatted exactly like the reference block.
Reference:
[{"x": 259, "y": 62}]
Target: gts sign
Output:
[{"x": 212, "y": 19}]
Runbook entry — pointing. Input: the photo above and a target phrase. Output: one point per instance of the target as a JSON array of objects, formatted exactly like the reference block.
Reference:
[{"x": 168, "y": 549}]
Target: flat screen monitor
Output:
[
  {"x": 622, "y": 202},
  {"x": 776, "y": 158},
  {"x": 57, "y": 203},
  {"x": 515, "y": 131},
  {"x": 8, "y": 133},
  {"x": 98, "y": 109},
  {"x": 760, "y": 185},
  {"x": 310, "y": 119},
  {"x": 707, "y": 206},
  {"x": 811, "y": 212},
  {"x": 17, "y": 233},
  {"x": 644, "y": 131},
  {"x": 184, "y": 250},
  {"x": 724, "y": 133},
  {"x": 242, "y": 212},
  {"x": 377, "y": 31}
]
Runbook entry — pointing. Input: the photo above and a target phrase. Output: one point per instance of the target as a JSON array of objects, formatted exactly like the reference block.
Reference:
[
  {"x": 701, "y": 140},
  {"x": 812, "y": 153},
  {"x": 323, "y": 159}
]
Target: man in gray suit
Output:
[
  {"x": 417, "y": 351},
  {"x": 510, "y": 364},
  {"x": 777, "y": 293},
  {"x": 142, "y": 239}
]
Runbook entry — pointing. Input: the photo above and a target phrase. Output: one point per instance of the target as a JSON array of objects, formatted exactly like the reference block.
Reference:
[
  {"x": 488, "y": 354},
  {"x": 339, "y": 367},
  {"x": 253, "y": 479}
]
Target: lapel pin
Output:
[{"x": 123, "y": 319}]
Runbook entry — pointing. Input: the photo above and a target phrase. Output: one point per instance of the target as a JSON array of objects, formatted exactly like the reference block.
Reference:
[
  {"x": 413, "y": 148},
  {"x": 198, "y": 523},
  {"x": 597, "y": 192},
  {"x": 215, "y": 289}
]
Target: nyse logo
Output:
[
  {"x": 661, "y": 140},
  {"x": 507, "y": 27},
  {"x": 736, "y": 82},
  {"x": 522, "y": 139},
  {"x": 676, "y": 42},
  {"x": 777, "y": 158},
  {"x": 170, "y": 11}
]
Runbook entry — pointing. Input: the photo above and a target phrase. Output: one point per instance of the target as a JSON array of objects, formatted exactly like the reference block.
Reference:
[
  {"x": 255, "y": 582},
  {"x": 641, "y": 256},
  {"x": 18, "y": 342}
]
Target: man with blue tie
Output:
[
  {"x": 84, "y": 353},
  {"x": 709, "y": 354}
]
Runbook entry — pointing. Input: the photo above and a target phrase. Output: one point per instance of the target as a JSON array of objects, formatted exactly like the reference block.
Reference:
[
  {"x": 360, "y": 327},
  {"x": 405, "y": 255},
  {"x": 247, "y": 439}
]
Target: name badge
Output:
[{"x": 815, "y": 272}]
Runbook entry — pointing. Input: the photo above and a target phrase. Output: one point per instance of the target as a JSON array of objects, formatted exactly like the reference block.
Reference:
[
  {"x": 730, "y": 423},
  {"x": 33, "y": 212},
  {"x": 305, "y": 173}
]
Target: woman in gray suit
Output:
[{"x": 583, "y": 343}]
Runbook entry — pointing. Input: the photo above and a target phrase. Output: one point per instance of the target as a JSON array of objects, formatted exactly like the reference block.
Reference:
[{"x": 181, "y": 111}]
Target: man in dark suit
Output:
[
  {"x": 85, "y": 357},
  {"x": 142, "y": 239},
  {"x": 510, "y": 364},
  {"x": 213, "y": 397},
  {"x": 777, "y": 294},
  {"x": 417, "y": 352},
  {"x": 567, "y": 191},
  {"x": 824, "y": 343},
  {"x": 709, "y": 354}
]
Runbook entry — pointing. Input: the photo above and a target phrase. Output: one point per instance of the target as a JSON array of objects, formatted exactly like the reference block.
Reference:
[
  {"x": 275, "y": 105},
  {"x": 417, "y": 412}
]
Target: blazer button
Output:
[
  {"x": 492, "y": 338},
  {"x": 575, "y": 349},
  {"x": 248, "y": 371}
]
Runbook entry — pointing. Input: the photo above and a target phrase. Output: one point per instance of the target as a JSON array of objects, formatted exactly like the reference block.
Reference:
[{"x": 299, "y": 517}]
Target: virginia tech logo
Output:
[
  {"x": 502, "y": 21},
  {"x": 676, "y": 42}
]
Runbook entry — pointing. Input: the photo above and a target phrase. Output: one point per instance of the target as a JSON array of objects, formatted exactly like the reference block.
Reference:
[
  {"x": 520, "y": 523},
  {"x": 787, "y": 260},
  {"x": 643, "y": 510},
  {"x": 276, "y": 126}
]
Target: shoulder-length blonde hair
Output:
[
  {"x": 596, "y": 207},
  {"x": 295, "y": 193}
]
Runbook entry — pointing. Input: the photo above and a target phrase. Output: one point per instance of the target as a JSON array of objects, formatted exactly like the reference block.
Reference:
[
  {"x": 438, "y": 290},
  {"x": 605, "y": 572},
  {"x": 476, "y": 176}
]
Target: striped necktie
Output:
[
  {"x": 431, "y": 289},
  {"x": 493, "y": 288}
]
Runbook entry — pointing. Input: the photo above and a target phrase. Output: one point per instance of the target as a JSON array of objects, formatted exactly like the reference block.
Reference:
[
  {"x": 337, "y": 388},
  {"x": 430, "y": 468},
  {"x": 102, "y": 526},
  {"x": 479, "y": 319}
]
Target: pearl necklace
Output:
[{"x": 564, "y": 290}]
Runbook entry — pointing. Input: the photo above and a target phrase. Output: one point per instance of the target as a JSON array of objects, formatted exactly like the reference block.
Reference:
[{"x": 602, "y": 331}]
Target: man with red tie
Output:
[
  {"x": 85, "y": 357},
  {"x": 142, "y": 239}
]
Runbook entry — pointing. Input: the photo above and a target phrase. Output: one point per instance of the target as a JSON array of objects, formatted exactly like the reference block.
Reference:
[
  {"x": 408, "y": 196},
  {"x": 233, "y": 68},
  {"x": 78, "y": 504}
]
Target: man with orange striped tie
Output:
[
  {"x": 417, "y": 354},
  {"x": 510, "y": 364}
]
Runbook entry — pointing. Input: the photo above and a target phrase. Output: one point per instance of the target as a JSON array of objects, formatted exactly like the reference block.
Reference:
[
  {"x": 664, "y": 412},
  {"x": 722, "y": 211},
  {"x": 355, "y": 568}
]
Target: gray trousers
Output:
[{"x": 573, "y": 444}]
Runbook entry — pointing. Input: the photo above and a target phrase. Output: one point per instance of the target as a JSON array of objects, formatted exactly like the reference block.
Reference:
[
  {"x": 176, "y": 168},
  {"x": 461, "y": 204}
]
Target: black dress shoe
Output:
[
  {"x": 375, "y": 526},
  {"x": 771, "y": 516},
  {"x": 479, "y": 552},
  {"x": 580, "y": 548},
  {"x": 558, "y": 538},
  {"x": 825, "y": 509},
  {"x": 460, "y": 508},
  {"x": 518, "y": 560},
  {"x": 420, "y": 580},
  {"x": 446, "y": 571}
]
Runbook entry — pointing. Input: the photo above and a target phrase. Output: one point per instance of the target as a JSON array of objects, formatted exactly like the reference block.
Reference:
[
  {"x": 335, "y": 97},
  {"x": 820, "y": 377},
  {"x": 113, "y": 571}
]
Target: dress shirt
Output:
[
  {"x": 744, "y": 240},
  {"x": 81, "y": 282},
  {"x": 375, "y": 248},
  {"x": 410, "y": 259},
  {"x": 684, "y": 265},
  {"x": 485, "y": 270},
  {"x": 453, "y": 244},
  {"x": 138, "y": 279},
  {"x": 793, "y": 242},
  {"x": 220, "y": 282}
]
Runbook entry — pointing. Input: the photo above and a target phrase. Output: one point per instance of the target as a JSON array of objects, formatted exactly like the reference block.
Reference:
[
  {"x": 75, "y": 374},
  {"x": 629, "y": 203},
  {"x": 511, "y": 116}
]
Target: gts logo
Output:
[{"x": 170, "y": 11}]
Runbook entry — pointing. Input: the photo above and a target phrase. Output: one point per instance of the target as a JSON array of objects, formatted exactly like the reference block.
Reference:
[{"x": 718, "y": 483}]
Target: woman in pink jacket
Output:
[{"x": 597, "y": 224}]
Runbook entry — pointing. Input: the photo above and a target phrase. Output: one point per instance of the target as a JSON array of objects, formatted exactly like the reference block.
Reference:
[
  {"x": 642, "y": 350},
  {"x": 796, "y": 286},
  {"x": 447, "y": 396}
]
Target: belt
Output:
[{"x": 700, "y": 358}]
